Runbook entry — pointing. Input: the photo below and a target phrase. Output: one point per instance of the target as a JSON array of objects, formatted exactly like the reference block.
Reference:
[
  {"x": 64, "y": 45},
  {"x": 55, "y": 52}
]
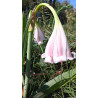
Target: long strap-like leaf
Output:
[
  {"x": 25, "y": 37},
  {"x": 53, "y": 84}
]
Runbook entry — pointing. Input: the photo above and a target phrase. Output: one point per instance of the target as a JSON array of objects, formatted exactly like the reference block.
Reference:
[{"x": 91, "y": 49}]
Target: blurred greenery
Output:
[{"x": 41, "y": 72}]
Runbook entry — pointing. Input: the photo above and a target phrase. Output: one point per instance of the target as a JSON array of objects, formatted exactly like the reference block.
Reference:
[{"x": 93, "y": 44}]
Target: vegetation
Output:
[{"x": 45, "y": 79}]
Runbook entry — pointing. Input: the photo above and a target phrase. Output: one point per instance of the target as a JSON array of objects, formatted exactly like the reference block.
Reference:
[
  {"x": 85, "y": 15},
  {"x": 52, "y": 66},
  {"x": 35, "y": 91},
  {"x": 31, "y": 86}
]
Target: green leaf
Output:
[
  {"x": 53, "y": 84},
  {"x": 25, "y": 37},
  {"x": 23, "y": 22}
]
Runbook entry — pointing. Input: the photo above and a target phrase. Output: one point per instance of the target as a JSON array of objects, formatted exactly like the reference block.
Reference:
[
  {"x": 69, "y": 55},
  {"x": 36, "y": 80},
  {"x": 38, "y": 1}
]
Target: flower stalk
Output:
[
  {"x": 52, "y": 10},
  {"x": 28, "y": 61}
]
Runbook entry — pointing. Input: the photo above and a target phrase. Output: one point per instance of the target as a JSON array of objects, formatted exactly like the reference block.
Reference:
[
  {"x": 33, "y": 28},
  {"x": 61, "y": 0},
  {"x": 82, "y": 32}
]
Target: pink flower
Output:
[
  {"x": 38, "y": 35},
  {"x": 57, "y": 49}
]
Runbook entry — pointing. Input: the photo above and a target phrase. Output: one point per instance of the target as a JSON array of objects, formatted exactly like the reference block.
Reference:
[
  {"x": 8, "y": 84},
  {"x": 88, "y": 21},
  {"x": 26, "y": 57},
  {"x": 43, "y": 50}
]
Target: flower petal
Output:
[
  {"x": 57, "y": 49},
  {"x": 38, "y": 35}
]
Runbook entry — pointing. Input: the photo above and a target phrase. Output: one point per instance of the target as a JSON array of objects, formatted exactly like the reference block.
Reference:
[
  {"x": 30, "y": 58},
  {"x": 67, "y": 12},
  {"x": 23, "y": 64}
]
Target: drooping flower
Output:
[
  {"x": 57, "y": 49},
  {"x": 38, "y": 34}
]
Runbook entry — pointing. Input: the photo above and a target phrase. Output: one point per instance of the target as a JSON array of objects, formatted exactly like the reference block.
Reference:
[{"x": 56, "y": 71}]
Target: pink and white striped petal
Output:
[
  {"x": 57, "y": 49},
  {"x": 38, "y": 35}
]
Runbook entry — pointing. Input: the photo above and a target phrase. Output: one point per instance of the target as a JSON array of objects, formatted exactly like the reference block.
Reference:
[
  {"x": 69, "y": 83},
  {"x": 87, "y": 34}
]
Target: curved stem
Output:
[{"x": 52, "y": 10}]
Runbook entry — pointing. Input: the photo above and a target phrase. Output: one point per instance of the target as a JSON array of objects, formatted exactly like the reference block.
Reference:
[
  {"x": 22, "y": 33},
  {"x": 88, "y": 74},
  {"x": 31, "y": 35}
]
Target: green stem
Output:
[
  {"x": 52, "y": 10},
  {"x": 60, "y": 10},
  {"x": 28, "y": 61}
]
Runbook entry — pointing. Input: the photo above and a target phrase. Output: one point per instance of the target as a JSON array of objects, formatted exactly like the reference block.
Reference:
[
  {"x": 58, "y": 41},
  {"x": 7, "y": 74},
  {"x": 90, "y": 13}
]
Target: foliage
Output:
[{"x": 42, "y": 73}]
